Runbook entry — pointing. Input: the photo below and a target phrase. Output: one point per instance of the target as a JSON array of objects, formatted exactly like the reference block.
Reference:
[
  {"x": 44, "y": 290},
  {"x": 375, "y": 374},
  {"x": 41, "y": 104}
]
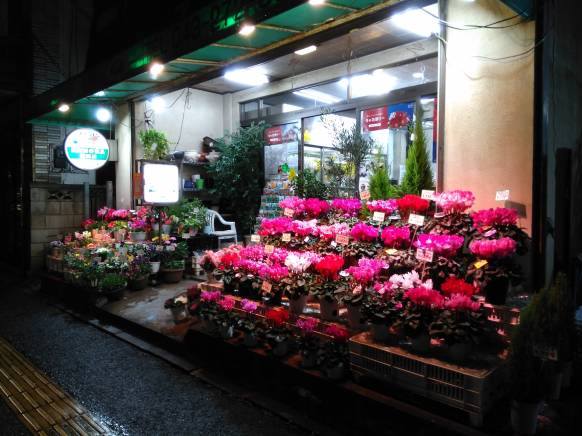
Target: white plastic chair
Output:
[{"x": 222, "y": 235}]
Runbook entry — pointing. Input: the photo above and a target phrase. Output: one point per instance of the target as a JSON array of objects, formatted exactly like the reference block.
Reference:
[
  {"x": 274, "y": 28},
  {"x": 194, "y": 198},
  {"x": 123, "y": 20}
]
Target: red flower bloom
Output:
[
  {"x": 330, "y": 266},
  {"x": 395, "y": 236},
  {"x": 364, "y": 232},
  {"x": 277, "y": 316},
  {"x": 412, "y": 204},
  {"x": 339, "y": 334},
  {"x": 500, "y": 216},
  {"x": 453, "y": 286},
  {"x": 461, "y": 303},
  {"x": 425, "y": 297}
]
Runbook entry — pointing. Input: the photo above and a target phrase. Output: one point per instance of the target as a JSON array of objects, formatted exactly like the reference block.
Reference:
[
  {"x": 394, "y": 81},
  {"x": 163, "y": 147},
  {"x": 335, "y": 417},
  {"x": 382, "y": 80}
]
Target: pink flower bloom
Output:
[
  {"x": 367, "y": 270},
  {"x": 298, "y": 263},
  {"x": 304, "y": 228},
  {"x": 462, "y": 302},
  {"x": 275, "y": 226},
  {"x": 386, "y": 206},
  {"x": 500, "y": 216},
  {"x": 272, "y": 272},
  {"x": 306, "y": 325},
  {"x": 314, "y": 207},
  {"x": 395, "y": 236},
  {"x": 364, "y": 232},
  {"x": 493, "y": 248},
  {"x": 425, "y": 297},
  {"x": 331, "y": 231},
  {"x": 248, "y": 305},
  {"x": 348, "y": 207},
  {"x": 383, "y": 289},
  {"x": 405, "y": 281},
  {"x": 294, "y": 203},
  {"x": 209, "y": 257},
  {"x": 253, "y": 252},
  {"x": 227, "y": 303},
  {"x": 278, "y": 256},
  {"x": 455, "y": 201},
  {"x": 444, "y": 245},
  {"x": 339, "y": 334},
  {"x": 209, "y": 296}
]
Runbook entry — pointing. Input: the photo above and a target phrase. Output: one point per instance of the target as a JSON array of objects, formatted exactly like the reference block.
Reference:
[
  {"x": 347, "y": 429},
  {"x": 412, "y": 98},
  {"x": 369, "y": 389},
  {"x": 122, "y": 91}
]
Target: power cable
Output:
[{"x": 477, "y": 26}]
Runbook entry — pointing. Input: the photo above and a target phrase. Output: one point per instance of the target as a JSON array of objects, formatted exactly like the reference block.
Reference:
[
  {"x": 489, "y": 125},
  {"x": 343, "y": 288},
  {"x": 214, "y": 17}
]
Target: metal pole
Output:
[
  {"x": 109, "y": 193},
  {"x": 86, "y": 200}
]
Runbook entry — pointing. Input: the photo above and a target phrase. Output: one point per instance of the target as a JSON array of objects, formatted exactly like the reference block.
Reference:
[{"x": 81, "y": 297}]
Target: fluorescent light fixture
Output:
[
  {"x": 306, "y": 50},
  {"x": 99, "y": 94},
  {"x": 418, "y": 75},
  {"x": 158, "y": 104},
  {"x": 247, "y": 76},
  {"x": 64, "y": 107},
  {"x": 316, "y": 2},
  {"x": 246, "y": 29},
  {"x": 427, "y": 100},
  {"x": 103, "y": 114},
  {"x": 416, "y": 21},
  {"x": 156, "y": 69},
  {"x": 290, "y": 108},
  {"x": 317, "y": 95},
  {"x": 377, "y": 83}
]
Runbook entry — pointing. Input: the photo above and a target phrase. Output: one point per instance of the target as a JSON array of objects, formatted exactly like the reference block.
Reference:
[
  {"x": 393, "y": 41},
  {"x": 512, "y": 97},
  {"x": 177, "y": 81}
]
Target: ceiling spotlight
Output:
[
  {"x": 156, "y": 69},
  {"x": 64, "y": 107},
  {"x": 316, "y": 95},
  {"x": 316, "y": 2},
  {"x": 246, "y": 29},
  {"x": 103, "y": 114},
  {"x": 247, "y": 76},
  {"x": 416, "y": 21},
  {"x": 418, "y": 75},
  {"x": 99, "y": 94},
  {"x": 306, "y": 50},
  {"x": 158, "y": 104}
]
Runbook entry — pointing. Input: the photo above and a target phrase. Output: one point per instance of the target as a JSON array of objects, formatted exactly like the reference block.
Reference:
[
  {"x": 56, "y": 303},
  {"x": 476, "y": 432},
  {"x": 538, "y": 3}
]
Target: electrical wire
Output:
[
  {"x": 478, "y": 26},
  {"x": 186, "y": 106}
]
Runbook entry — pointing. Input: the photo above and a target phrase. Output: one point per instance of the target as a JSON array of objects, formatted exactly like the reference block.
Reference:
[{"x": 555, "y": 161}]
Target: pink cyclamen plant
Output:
[
  {"x": 493, "y": 248},
  {"x": 455, "y": 201}
]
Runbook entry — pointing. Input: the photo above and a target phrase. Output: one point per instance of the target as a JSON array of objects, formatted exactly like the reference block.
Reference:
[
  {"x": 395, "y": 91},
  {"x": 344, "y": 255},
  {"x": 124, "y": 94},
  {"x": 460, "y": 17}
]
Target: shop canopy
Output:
[{"x": 200, "y": 47}]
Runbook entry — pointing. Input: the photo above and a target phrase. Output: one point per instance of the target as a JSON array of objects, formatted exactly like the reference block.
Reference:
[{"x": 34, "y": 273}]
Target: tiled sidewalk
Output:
[{"x": 39, "y": 403}]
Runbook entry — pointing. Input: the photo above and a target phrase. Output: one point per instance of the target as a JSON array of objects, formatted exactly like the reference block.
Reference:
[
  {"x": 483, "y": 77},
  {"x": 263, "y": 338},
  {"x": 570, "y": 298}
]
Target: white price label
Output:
[
  {"x": 427, "y": 194},
  {"x": 288, "y": 212},
  {"x": 342, "y": 239},
  {"x": 502, "y": 195},
  {"x": 255, "y": 238},
  {"x": 286, "y": 237},
  {"x": 378, "y": 216},
  {"x": 365, "y": 195},
  {"x": 269, "y": 249},
  {"x": 416, "y": 220},
  {"x": 424, "y": 255}
]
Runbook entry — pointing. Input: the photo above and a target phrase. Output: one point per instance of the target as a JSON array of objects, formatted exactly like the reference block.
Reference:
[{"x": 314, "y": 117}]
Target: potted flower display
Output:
[
  {"x": 382, "y": 308},
  {"x": 138, "y": 229},
  {"x": 209, "y": 262},
  {"x": 226, "y": 318},
  {"x": 112, "y": 286},
  {"x": 335, "y": 359},
  {"x": 138, "y": 273},
  {"x": 119, "y": 229},
  {"x": 173, "y": 261},
  {"x": 329, "y": 287},
  {"x": 278, "y": 335},
  {"x": 178, "y": 307},
  {"x": 251, "y": 327},
  {"x": 422, "y": 306},
  {"x": 296, "y": 284},
  {"x": 155, "y": 257},
  {"x": 308, "y": 342},
  {"x": 208, "y": 310}
]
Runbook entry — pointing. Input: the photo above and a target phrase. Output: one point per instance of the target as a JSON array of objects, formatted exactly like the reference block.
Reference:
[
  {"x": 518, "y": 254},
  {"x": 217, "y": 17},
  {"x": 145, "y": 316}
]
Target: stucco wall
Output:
[{"x": 489, "y": 106}]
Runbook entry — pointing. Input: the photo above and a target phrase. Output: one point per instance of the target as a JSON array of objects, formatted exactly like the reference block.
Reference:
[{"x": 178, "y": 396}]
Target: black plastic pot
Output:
[
  {"x": 138, "y": 284},
  {"x": 114, "y": 294},
  {"x": 496, "y": 290}
]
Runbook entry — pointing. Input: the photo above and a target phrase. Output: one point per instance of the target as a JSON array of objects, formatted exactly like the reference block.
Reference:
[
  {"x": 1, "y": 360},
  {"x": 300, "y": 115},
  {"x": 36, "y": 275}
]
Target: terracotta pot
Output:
[
  {"x": 297, "y": 306},
  {"x": 355, "y": 317},
  {"x": 179, "y": 313},
  {"x": 496, "y": 291},
  {"x": 138, "y": 284},
  {"x": 328, "y": 309},
  {"x": 524, "y": 417},
  {"x": 173, "y": 275},
  {"x": 420, "y": 344}
]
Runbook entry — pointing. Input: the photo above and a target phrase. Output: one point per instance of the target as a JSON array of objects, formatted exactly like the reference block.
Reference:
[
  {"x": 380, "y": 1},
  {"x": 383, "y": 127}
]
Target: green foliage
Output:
[
  {"x": 191, "y": 213},
  {"x": 337, "y": 175},
  {"x": 112, "y": 282},
  {"x": 418, "y": 174},
  {"x": 155, "y": 144},
  {"x": 307, "y": 185},
  {"x": 238, "y": 173}
]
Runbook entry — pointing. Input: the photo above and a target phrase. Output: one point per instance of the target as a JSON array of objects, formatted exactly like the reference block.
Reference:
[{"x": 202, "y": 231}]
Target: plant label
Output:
[
  {"x": 306, "y": 240},
  {"x": 424, "y": 255},
  {"x": 255, "y": 238},
  {"x": 439, "y": 214},
  {"x": 391, "y": 251},
  {"x": 502, "y": 195},
  {"x": 427, "y": 194},
  {"x": 333, "y": 244},
  {"x": 378, "y": 217},
  {"x": 365, "y": 195},
  {"x": 269, "y": 249},
  {"x": 288, "y": 212},
  {"x": 416, "y": 220},
  {"x": 342, "y": 239},
  {"x": 267, "y": 286},
  {"x": 489, "y": 233},
  {"x": 185, "y": 235},
  {"x": 480, "y": 263},
  {"x": 286, "y": 237}
]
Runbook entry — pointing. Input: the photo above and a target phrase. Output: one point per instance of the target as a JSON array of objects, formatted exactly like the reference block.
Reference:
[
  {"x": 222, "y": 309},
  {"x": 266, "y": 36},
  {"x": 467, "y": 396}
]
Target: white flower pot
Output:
[
  {"x": 524, "y": 417},
  {"x": 138, "y": 236},
  {"x": 297, "y": 306},
  {"x": 179, "y": 313},
  {"x": 328, "y": 309},
  {"x": 155, "y": 267},
  {"x": 166, "y": 229}
]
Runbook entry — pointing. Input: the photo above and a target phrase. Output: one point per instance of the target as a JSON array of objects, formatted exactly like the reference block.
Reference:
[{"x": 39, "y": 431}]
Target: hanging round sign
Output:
[{"x": 86, "y": 149}]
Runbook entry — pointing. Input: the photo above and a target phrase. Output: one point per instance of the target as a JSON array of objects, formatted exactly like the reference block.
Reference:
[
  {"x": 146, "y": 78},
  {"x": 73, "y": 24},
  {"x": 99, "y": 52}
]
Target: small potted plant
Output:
[
  {"x": 209, "y": 262},
  {"x": 208, "y": 310},
  {"x": 138, "y": 228},
  {"x": 155, "y": 144},
  {"x": 178, "y": 307},
  {"x": 155, "y": 257},
  {"x": 173, "y": 265},
  {"x": 335, "y": 359},
  {"x": 138, "y": 273},
  {"x": 329, "y": 287},
  {"x": 308, "y": 342},
  {"x": 113, "y": 285},
  {"x": 250, "y": 327},
  {"x": 119, "y": 229},
  {"x": 296, "y": 284},
  {"x": 278, "y": 335},
  {"x": 57, "y": 249},
  {"x": 423, "y": 304},
  {"x": 383, "y": 309},
  {"x": 226, "y": 318}
]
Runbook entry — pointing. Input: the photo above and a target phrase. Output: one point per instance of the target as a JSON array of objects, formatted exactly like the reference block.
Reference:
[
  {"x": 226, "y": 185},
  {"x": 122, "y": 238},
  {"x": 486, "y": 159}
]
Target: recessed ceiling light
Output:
[
  {"x": 306, "y": 50},
  {"x": 103, "y": 115},
  {"x": 416, "y": 21},
  {"x": 290, "y": 108},
  {"x": 158, "y": 104},
  {"x": 246, "y": 29},
  {"x": 316, "y": 2},
  {"x": 156, "y": 69},
  {"x": 247, "y": 76},
  {"x": 99, "y": 94},
  {"x": 418, "y": 75},
  {"x": 64, "y": 107},
  {"x": 313, "y": 94}
]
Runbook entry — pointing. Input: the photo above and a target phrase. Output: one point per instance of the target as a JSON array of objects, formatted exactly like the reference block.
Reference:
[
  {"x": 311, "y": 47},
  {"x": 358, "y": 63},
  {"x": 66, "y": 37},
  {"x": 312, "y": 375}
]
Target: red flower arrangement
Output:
[
  {"x": 412, "y": 204},
  {"x": 462, "y": 303},
  {"x": 227, "y": 303},
  {"x": 386, "y": 206},
  {"x": 339, "y": 334},
  {"x": 329, "y": 266},
  {"x": 500, "y": 216},
  {"x": 493, "y": 248},
  {"x": 277, "y": 316},
  {"x": 444, "y": 245},
  {"x": 88, "y": 223},
  {"x": 425, "y": 297},
  {"x": 364, "y": 232},
  {"x": 454, "y": 285},
  {"x": 395, "y": 236}
]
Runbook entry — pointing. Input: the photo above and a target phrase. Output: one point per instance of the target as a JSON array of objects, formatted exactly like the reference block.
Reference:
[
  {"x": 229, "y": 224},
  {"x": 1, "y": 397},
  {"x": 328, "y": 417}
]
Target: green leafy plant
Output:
[
  {"x": 418, "y": 174},
  {"x": 238, "y": 173},
  {"x": 306, "y": 184},
  {"x": 380, "y": 186},
  {"x": 113, "y": 282},
  {"x": 155, "y": 144}
]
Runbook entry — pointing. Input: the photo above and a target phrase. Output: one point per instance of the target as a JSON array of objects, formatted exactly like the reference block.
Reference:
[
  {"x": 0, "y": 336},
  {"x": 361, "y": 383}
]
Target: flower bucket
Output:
[
  {"x": 119, "y": 235},
  {"x": 281, "y": 349},
  {"x": 173, "y": 275},
  {"x": 328, "y": 309},
  {"x": 179, "y": 313},
  {"x": 156, "y": 228},
  {"x": 496, "y": 291},
  {"x": 250, "y": 340},
  {"x": 460, "y": 352},
  {"x": 138, "y": 236},
  {"x": 524, "y": 417},
  {"x": 166, "y": 229},
  {"x": 355, "y": 317},
  {"x": 139, "y": 283},
  {"x": 420, "y": 344},
  {"x": 309, "y": 360},
  {"x": 155, "y": 267},
  {"x": 297, "y": 306},
  {"x": 380, "y": 332},
  {"x": 226, "y": 332}
]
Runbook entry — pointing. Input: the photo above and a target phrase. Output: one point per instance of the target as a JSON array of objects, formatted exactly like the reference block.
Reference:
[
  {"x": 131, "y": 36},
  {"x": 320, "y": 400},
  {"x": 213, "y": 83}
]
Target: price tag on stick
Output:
[
  {"x": 365, "y": 195},
  {"x": 342, "y": 239},
  {"x": 427, "y": 194},
  {"x": 378, "y": 217},
  {"x": 502, "y": 195},
  {"x": 416, "y": 220},
  {"x": 424, "y": 255},
  {"x": 255, "y": 238},
  {"x": 288, "y": 212},
  {"x": 269, "y": 249},
  {"x": 286, "y": 237},
  {"x": 267, "y": 286}
]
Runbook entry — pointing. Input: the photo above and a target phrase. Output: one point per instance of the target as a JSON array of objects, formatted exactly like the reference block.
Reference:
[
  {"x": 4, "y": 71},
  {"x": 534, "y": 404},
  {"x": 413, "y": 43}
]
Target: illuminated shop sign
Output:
[{"x": 86, "y": 149}]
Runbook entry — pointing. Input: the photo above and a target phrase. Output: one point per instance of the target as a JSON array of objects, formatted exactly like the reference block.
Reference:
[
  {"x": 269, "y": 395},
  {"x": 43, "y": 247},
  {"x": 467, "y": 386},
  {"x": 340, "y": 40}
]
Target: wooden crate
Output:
[{"x": 473, "y": 390}]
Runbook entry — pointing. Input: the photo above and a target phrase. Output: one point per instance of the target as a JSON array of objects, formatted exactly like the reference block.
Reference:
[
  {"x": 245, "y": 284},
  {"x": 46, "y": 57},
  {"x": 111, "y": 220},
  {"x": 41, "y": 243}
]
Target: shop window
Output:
[
  {"x": 281, "y": 149},
  {"x": 249, "y": 110},
  {"x": 319, "y": 130},
  {"x": 312, "y": 158}
]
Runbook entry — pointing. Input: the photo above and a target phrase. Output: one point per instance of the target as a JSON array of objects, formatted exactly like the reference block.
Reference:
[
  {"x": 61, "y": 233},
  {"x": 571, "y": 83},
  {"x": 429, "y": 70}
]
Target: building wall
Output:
[
  {"x": 189, "y": 116},
  {"x": 488, "y": 142}
]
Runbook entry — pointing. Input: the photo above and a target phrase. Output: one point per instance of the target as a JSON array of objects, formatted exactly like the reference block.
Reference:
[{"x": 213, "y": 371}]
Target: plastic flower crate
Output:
[
  {"x": 472, "y": 390},
  {"x": 505, "y": 318}
]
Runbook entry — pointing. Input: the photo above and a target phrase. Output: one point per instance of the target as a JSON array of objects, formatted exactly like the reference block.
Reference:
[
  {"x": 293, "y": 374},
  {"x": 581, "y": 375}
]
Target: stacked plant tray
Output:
[
  {"x": 273, "y": 193},
  {"x": 473, "y": 390}
]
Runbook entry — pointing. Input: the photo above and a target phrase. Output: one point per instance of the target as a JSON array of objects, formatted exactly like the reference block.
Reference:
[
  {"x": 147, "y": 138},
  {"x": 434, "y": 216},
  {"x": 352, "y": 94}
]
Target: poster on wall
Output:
[
  {"x": 375, "y": 119},
  {"x": 282, "y": 149},
  {"x": 400, "y": 115},
  {"x": 86, "y": 149},
  {"x": 161, "y": 183}
]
